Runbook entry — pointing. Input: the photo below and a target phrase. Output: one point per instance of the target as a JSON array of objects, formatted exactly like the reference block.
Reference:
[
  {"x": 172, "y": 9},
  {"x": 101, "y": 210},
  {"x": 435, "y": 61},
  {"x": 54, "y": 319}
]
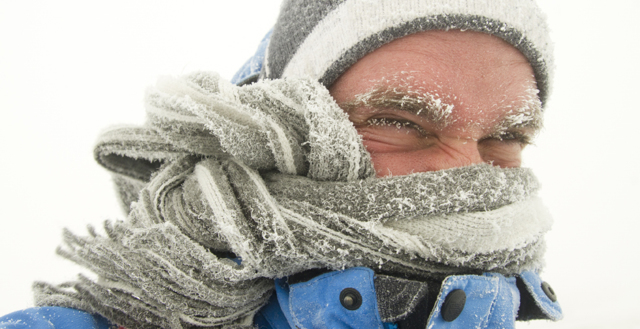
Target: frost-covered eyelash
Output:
[
  {"x": 394, "y": 122},
  {"x": 512, "y": 136}
]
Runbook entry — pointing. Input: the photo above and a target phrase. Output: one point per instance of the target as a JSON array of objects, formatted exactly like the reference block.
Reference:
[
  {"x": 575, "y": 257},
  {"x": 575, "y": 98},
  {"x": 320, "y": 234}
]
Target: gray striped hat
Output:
[{"x": 321, "y": 39}]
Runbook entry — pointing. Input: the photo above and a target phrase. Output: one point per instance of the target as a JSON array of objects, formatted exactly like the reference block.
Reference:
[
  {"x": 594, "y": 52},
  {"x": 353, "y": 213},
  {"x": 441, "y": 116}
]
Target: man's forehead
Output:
[{"x": 432, "y": 60}]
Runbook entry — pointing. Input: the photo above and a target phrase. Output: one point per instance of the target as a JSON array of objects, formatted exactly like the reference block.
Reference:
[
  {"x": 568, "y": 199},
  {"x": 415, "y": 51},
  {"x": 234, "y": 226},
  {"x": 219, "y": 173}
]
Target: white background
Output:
[{"x": 70, "y": 68}]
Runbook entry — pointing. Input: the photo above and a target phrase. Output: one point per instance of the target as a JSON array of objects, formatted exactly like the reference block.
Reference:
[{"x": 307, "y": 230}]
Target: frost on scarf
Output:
[{"x": 275, "y": 174}]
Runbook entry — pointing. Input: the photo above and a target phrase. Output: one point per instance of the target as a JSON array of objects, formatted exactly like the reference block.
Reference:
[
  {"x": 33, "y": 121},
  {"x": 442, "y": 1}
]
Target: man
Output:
[{"x": 419, "y": 217}]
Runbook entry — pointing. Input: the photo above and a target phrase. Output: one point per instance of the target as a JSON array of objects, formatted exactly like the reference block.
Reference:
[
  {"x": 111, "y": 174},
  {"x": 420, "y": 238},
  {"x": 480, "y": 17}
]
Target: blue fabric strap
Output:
[
  {"x": 492, "y": 301},
  {"x": 533, "y": 284},
  {"x": 316, "y": 303}
]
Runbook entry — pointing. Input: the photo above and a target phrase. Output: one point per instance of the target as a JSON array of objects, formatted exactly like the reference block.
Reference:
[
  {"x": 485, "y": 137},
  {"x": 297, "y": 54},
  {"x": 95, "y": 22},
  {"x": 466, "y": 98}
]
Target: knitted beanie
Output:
[{"x": 321, "y": 39}]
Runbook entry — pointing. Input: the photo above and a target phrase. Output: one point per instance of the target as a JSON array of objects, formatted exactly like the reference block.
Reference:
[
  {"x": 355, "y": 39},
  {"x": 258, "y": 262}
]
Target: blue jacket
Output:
[
  {"x": 464, "y": 301},
  {"x": 352, "y": 299},
  {"x": 53, "y": 318}
]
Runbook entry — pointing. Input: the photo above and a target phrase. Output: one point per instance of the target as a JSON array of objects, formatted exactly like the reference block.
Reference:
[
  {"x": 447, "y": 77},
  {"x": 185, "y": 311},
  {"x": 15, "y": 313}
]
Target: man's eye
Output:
[
  {"x": 399, "y": 124},
  {"x": 512, "y": 137}
]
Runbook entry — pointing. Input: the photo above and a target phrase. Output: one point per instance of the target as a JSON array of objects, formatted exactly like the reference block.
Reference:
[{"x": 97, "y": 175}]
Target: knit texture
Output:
[
  {"x": 322, "y": 39},
  {"x": 275, "y": 174}
]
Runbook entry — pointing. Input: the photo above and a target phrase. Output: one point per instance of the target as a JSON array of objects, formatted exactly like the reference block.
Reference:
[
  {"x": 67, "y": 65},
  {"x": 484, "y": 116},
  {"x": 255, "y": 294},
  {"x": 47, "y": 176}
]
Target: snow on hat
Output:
[{"x": 321, "y": 39}]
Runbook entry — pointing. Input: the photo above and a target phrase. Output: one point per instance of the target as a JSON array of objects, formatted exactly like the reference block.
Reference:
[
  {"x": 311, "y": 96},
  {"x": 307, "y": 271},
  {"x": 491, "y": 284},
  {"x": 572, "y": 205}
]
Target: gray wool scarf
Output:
[{"x": 275, "y": 174}]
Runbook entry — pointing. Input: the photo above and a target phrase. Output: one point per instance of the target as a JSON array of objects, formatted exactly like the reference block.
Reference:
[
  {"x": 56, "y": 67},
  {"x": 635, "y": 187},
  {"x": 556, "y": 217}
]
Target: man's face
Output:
[{"x": 441, "y": 99}]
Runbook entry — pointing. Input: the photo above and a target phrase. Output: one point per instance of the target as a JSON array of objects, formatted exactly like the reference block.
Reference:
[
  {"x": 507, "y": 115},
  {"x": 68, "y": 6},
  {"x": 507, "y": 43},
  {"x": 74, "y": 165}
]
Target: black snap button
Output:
[
  {"x": 549, "y": 291},
  {"x": 453, "y": 305},
  {"x": 350, "y": 299}
]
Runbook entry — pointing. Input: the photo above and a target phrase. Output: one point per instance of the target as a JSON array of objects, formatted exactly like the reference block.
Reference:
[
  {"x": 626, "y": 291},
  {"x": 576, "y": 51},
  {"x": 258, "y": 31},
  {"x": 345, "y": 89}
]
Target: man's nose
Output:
[{"x": 458, "y": 153}]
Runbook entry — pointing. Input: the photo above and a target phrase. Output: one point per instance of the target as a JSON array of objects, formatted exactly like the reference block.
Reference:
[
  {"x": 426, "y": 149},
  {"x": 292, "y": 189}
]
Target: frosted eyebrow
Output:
[
  {"x": 422, "y": 104},
  {"x": 527, "y": 116}
]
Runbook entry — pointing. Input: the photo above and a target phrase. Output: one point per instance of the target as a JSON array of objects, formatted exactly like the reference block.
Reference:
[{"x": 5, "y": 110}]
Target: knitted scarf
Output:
[{"x": 237, "y": 186}]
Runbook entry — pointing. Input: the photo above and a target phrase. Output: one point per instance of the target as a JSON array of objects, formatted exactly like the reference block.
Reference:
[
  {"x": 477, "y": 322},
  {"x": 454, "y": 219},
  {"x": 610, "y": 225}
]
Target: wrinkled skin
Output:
[{"x": 473, "y": 87}]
